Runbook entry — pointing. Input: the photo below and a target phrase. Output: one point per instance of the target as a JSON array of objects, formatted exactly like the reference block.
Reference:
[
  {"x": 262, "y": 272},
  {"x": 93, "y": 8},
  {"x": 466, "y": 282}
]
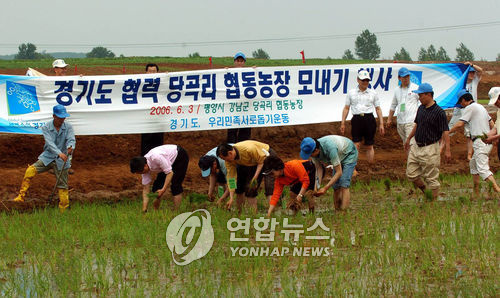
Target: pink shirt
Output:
[{"x": 159, "y": 159}]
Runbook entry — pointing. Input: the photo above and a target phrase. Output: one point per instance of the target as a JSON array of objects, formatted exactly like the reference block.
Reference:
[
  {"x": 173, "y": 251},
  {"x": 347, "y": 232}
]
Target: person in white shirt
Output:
[
  {"x": 363, "y": 102},
  {"x": 494, "y": 134},
  {"x": 473, "y": 78},
  {"x": 406, "y": 103},
  {"x": 480, "y": 124}
]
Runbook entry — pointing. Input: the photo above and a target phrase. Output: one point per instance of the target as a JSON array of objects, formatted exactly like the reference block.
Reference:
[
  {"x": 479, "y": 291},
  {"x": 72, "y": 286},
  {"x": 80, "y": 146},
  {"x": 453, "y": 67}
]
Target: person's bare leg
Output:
[
  {"x": 476, "y": 181},
  {"x": 470, "y": 151},
  {"x": 145, "y": 202},
  {"x": 419, "y": 184},
  {"x": 435, "y": 193},
  {"x": 312, "y": 203},
  {"x": 177, "y": 201},
  {"x": 252, "y": 202},
  {"x": 337, "y": 198},
  {"x": 491, "y": 179},
  {"x": 240, "y": 201},
  {"x": 346, "y": 198},
  {"x": 370, "y": 154}
]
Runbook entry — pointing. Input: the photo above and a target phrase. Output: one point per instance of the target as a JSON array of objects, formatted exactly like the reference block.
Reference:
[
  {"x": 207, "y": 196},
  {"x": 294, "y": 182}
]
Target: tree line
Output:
[
  {"x": 365, "y": 47},
  {"x": 27, "y": 51}
]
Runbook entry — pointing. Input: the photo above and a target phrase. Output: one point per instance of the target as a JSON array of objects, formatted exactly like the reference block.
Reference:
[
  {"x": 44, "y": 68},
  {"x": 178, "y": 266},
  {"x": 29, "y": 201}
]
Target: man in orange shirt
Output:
[{"x": 300, "y": 174}]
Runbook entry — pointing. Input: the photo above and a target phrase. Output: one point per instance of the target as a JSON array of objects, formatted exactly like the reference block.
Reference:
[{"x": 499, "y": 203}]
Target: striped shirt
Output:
[{"x": 431, "y": 123}]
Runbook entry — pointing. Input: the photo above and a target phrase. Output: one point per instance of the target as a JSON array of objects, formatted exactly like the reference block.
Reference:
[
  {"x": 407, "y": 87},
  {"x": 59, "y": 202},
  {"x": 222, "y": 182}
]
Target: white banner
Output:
[{"x": 207, "y": 99}]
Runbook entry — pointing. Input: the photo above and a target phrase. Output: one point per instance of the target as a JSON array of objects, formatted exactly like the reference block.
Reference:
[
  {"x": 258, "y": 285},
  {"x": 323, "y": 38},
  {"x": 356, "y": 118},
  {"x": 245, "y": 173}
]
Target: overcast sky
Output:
[{"x": 169, "y": 28}]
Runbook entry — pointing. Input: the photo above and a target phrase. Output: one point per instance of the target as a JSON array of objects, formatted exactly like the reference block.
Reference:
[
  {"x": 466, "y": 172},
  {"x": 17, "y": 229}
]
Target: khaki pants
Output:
[
  {"x": 63, "y": 181},
  {"x": 423, "y": 162},
  {"x": 404, "y": 130}
]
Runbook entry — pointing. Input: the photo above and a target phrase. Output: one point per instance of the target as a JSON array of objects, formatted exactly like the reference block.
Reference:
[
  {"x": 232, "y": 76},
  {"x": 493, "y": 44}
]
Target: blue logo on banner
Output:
[
  {"x": 416, "y": 77},
  {"x": 21, "y": 98}
]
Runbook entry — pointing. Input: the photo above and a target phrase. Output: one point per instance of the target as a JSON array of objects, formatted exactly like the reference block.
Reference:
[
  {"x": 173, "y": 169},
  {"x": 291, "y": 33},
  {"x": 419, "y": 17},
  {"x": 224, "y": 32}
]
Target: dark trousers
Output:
[
  {"x": 235, "y": 135},
  {"x": 179, "y": 168},
  {"x": 150, "y": 141}
]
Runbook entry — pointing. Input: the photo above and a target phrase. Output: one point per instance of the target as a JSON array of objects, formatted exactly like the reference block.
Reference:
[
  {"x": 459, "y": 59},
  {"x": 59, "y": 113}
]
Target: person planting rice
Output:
[
  {"x": 341, "y": 153},
  {"x": 170, "y": 159},
  {"x": 244, "y": 162},
  {"x": 59, "y": 146},
  {"x": 214, "y": 167},
  {"x": 480, "y": 124},
  {"x": 299, "y": 174}
]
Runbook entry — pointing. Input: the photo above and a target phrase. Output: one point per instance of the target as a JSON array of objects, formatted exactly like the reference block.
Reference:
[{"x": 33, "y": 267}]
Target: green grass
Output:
[{"x": 389, "y": 243}]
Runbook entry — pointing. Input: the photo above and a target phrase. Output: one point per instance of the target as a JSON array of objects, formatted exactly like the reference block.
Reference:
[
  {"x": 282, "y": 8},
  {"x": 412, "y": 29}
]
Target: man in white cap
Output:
[
  {"x": 59, "y": 67},
  {"x": 406, "y": 103},
  {"x": 363, "y": 101},
  {"x": 480, "y": 124},
  {"x": 59, "y": 145}
]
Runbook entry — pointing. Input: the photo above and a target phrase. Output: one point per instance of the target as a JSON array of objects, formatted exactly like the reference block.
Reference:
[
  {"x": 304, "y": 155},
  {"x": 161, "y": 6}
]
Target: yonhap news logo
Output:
[
  {"x": 190, "y": 236},
  {"x": 21, "y": 98}
]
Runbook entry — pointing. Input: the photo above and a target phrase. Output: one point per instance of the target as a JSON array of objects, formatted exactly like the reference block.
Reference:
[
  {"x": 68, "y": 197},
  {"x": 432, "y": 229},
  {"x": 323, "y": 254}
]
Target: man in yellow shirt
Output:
[{"x": 244, "y": 163}]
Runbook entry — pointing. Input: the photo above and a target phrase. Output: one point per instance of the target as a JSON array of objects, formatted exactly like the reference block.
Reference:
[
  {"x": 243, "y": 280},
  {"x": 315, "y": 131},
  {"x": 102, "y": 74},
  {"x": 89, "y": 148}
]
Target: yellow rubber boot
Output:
[
  {"x": 28, "y": 175},
  {"x": 63, "y": 199}
]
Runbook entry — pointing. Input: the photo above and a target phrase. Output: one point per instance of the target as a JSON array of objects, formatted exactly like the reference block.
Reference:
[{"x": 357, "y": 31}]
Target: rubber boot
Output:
[
  {"x": 63, "y": 199},
  {"x": 28, "y": 175}
]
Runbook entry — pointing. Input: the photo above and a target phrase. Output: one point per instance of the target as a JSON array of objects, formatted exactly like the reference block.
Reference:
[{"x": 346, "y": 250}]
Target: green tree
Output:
[
  {"x": 402, "y": 55},
  {"x": 26, "y": 51},
  {"x": 422, "y": 55},
  {"x": 441, "y": 55},
  {"x": 463, "y": 53},
  {"x": 194, "y": 55},
  {"x": 431, "y": 53},
  {"x": 498, "y": 57},
  {"x": 366, "y": 46},
  {"x": 348, "y": 55},
  {"x": 260, "y": 54},
  {"x": 100, "y": 52}
]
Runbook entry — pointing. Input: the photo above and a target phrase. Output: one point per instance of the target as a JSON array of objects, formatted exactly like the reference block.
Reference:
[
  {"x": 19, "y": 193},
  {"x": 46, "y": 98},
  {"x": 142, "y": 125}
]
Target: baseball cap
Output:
[
  {"x": 240, "y": 54},
  {"x": 493, "y": 94},
  {"x": 60, "y": 111},
  {"x": 307, "y": 147},
  {"x": 463, "y": 94},
  {"x": 205, "y": 164},
  {"x": 363, "y": 75},
  {"x": 59, "y": 63},
  {"x": 403, "y": 72},
  {"x": 424, "y": 88}
]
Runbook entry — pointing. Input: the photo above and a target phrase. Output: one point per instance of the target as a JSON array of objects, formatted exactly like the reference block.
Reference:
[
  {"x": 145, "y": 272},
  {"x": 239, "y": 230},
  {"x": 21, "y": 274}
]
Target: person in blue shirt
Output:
[
  {"x": 59, "y": 145},
  {"x": 338, "y": 152}
]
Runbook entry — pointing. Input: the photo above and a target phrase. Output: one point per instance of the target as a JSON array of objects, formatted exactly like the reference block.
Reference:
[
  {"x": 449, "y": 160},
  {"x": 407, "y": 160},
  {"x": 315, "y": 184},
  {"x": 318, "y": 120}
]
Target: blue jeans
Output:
[{"x": 345, "y": 180}]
